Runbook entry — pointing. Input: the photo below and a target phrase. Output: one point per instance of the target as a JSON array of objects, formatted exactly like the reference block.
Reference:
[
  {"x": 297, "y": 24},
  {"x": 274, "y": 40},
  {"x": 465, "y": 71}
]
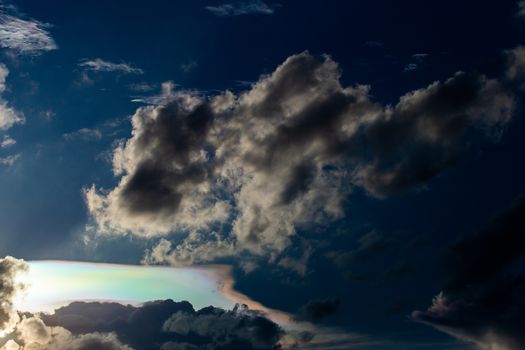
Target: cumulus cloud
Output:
[
  {"x": 240, "y": 174},
  {"x": 10, "y": 268},
  {"x": 33, "y": 334},
  {"x": 170, "y": 325},
  {"x": 100, "y": 65},
  {"x": 239, "y": 328},
  {"x": 482, "y": 302},
  {"x": 242, "y": 8},
  {"x": 24, "y": 36}
]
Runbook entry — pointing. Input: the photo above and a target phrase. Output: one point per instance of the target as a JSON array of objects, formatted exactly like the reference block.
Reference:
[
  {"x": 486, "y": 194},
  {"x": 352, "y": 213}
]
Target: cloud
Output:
[
  {"x": 7, "y": 141},
  {"x": 242, "y": 8},
  {"x": 24, "y": 36},
  {"x": 410, "y": 67},
  {"x": 142, "y": 87},
  {"x": 521, "y": 8},
  {"x": 8, "y": 116},
  {"x": 188, "y": 66},
  {"x": 422, "y": 135},
  {"x": 84, "y": 134},
  {"x": 239, "y": 328},
  {"x": 481, "y": 302},
  {"x": 516, "y": 63},
  {"x": 318, "y": 310},
  {"x": 170, "y": 325},
  {"x": 33, "y": 334},
  {"x": 237, "y": 175},
  {"x": 100, "y": 65},
  {"x": 9, "y": 160},
  {"x": 10, "y": 268}
]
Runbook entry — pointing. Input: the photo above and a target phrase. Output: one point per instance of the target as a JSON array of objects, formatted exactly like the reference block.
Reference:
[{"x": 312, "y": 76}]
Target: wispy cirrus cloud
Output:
[
  {"x": 25, "y": 36},
  {"x": 84, "y": 134},
  {"x": 242, "y": 8},
  {"x": 100, "y": 65}
]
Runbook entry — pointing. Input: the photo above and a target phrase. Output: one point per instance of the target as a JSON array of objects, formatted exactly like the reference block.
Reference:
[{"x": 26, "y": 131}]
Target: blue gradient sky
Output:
[{"x": 43, "y": 213}]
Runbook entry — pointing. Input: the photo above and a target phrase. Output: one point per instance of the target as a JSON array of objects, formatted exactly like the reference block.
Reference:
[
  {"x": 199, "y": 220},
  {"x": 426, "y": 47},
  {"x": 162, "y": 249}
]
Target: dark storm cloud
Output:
[
  {"x": 284, "y": 154},
  {"x": 482, "y": 301},
  {"x": 318, "y": 310},
  {"x": 171, "y": 325}
]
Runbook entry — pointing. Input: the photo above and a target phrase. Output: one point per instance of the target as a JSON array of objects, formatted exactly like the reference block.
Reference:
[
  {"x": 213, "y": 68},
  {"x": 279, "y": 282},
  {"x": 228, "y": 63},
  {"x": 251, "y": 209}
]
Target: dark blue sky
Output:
[{"x": 74, "y": 118}]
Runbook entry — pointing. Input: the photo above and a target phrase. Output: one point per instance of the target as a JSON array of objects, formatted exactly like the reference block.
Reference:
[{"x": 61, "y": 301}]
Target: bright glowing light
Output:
[{"x": 51, "y": 284}]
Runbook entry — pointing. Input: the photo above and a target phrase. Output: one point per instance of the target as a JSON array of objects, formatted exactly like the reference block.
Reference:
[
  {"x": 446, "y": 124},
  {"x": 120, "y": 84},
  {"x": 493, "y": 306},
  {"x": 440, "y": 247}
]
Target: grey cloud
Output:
[
  {"x": 24, "y": 36},
  {"x": 482, "y": 302},
  {"x": 170, "y": 325},
  {"x": 242, "y": 8},
  {"x": 238, "y": 174},
  {"x": 516, "y": 63},
  {"x": 422, "y": 135},
  {"x": 33, "y": 334},
  {"x": 10, "y": 268},
  {"x": 239, "y": 328}
]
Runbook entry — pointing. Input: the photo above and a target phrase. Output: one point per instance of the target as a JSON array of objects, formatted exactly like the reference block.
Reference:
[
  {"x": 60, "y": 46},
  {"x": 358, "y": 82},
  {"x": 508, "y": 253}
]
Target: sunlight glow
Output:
[{"x": 51, "y": 284}]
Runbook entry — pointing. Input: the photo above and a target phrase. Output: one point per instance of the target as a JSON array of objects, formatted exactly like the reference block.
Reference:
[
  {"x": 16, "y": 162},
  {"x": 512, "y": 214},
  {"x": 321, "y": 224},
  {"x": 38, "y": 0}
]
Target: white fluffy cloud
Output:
[{"x": 238, "y": 174}]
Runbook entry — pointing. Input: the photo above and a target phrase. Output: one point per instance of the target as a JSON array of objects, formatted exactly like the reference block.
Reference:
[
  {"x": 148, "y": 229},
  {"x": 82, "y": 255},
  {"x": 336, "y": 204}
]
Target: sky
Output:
[{"x": 352, "y": 168}]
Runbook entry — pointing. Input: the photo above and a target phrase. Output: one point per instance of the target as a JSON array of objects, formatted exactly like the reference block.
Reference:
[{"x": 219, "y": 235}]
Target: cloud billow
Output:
[
  {"x": 284, "y": 154},
  {"x": 170, "y": 325}
]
